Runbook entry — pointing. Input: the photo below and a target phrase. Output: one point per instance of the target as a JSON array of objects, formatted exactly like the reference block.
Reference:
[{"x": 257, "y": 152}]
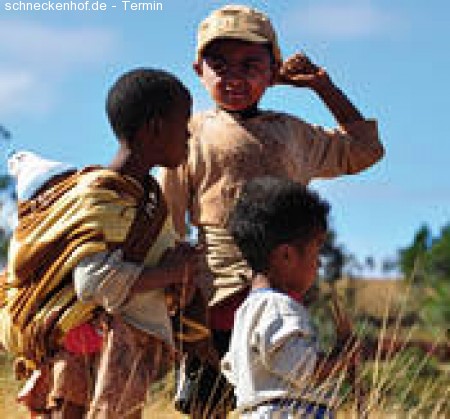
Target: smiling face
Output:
[{"x": 236, "y": 73}]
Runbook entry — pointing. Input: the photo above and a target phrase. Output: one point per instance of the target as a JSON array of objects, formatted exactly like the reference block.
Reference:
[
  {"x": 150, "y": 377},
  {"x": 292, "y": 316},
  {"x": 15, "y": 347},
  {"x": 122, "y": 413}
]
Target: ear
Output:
[
  {"x": 274, "y": 74},
  {"x": 280, "y": 262},
  {"x": 197, "y": 66},
  {"x": 281, "y": 254}
]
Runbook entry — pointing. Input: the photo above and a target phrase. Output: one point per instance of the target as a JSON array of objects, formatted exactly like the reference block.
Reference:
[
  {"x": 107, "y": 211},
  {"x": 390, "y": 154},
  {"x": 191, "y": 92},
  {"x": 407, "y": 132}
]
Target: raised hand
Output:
[{"x": 298, "y": 70}]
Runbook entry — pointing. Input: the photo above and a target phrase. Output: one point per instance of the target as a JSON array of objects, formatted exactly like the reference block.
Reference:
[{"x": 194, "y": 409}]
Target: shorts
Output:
[{"x": 287, "y": 409}]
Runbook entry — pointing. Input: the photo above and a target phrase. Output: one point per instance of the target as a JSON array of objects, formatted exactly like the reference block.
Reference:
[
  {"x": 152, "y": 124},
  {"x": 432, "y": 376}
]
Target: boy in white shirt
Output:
[{"x": 273, "y": 360}]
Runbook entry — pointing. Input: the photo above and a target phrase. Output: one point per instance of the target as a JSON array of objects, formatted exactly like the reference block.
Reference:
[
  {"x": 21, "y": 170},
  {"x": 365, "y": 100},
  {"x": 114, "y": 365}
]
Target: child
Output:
[
  {"x": 102, "y": 234},
  {"x": 237, "y": 60},
  {"x": 279, "y": 226}
]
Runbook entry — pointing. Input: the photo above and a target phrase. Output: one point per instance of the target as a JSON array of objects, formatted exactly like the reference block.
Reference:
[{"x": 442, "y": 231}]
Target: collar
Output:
[{"x": 245, "y": 114}]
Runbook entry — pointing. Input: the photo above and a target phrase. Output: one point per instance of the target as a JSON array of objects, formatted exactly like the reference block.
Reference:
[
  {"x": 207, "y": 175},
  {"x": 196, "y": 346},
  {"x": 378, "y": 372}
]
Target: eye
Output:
[
  {"x": 252, "y": 66},
  {"x": 217, "y": 64}
]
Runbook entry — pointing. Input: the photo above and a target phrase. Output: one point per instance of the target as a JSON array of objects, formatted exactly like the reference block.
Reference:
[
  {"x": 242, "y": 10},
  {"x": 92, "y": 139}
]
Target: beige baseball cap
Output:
[{"x": 237, "y": 22}]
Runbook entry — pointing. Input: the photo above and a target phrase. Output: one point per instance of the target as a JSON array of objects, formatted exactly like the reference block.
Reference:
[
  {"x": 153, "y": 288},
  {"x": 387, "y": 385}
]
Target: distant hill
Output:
[{"x": 375, "y": 297}]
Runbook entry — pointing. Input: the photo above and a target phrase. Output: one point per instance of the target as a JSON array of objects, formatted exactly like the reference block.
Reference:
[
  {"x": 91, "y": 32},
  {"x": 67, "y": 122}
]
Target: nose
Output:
[
  {"x": 234, "y": 81},
  {"x": 234, "y": 73}
]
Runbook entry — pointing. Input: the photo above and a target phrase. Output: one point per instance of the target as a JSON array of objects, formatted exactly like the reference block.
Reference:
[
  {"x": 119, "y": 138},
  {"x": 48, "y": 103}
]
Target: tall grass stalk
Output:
[{"x": 393, "y": 384}]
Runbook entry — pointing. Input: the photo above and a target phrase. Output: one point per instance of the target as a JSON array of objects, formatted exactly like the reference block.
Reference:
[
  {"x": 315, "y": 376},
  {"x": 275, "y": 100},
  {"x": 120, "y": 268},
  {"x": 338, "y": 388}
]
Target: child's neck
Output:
[
  {"x": 129, "y": 164},
  {"x": 245, "y": 113},
  {"x": 260, "y": 281}
]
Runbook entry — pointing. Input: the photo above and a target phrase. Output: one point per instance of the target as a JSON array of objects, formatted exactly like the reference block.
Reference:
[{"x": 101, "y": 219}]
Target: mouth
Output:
[
  {"x": 234, "y": 97},
  {"x": 239, "y": 93}
]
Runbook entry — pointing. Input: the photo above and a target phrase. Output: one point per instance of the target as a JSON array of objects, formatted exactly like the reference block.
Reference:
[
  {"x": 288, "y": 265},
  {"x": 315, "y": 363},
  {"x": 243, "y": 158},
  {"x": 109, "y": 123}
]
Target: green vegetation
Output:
[{"x": 427, "y": 262}]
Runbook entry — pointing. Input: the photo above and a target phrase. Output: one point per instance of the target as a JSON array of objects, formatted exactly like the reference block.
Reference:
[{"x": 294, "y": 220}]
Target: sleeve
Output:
[
  {"x": 106, "y": 279},
  {"x": 327, "y": 153},
  {"x": 175, "y": 187},
  {"x": 181, "y": 185},
  {"x": 287, "y": 347}
]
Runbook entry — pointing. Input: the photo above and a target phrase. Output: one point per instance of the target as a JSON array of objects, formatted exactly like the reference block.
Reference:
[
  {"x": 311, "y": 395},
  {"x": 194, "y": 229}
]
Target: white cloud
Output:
[
  {"x": 13, "y": 84},
  {"x": 348, "y": 19},
  {"x": 36, "y": 58},
  {"x": 53, "y": 47},
  {"x": 21, "y": 91}
]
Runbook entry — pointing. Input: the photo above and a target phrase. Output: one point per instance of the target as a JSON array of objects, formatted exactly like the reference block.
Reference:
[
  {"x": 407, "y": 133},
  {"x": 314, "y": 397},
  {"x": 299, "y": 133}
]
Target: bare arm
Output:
[
  {"x": 110, "y": 281},
  {"x": 177, "y": 267},
  {"x": 154, "y": 278},
  {"x": 299, "y": 71}
]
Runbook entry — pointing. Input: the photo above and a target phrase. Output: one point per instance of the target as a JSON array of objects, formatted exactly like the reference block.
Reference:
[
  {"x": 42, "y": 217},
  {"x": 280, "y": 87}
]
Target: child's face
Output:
[
  {"x": 301, "y": 265},
  {"x": 236, "y": 73},
  {"x": 174, "y": 135}
]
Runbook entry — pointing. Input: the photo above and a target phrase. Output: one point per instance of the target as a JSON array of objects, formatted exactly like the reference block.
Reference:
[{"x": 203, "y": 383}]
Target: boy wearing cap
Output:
[{"x": 237, "y": 60}]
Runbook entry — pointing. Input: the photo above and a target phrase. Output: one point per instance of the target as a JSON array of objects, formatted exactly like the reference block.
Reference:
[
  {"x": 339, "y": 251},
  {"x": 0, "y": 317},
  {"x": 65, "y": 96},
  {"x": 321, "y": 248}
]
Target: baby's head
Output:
[
  {"x": 237, "y": 56},
  {"x": 149, "y": 110},
  {"x": 35, "y": 174},
  {"x": 279, "y": 227}
]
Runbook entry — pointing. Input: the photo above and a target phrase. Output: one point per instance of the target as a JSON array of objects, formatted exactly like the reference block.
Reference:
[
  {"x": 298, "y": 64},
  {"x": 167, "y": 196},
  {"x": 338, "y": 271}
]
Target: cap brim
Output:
[{"x": 241, "y": 36}]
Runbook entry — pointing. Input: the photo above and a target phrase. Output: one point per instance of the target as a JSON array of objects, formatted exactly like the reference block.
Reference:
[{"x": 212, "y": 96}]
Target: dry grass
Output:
[
  {"x": 370, "y": 296},
  {"x": 8, "y": 391},
  {"x": 400, "y": 381},
  {"x": 397, "y": 383}
]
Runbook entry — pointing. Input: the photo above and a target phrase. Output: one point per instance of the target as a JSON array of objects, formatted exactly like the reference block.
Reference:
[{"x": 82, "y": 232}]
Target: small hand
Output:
[
  {"x": 184, "y": 262},
  {"x": 298, "y": 70},
  {"x": 182, "y": 259}
]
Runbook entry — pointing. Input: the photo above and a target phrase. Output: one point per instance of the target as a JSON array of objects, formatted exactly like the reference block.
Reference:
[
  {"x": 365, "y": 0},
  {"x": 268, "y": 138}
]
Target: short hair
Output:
[
  {"x": 272, "y": 211},
  {"x": 141, "y": 95}
]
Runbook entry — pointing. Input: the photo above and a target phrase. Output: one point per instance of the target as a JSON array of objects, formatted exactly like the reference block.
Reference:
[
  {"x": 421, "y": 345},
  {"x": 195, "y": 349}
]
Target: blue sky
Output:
[{"x": 391, "y": 58}]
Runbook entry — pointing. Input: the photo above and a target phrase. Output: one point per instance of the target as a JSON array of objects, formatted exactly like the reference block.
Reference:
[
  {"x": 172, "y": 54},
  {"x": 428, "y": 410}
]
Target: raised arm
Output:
[
  {"x": 354, "y": 146},
  {"x": 299, "y": 71}
]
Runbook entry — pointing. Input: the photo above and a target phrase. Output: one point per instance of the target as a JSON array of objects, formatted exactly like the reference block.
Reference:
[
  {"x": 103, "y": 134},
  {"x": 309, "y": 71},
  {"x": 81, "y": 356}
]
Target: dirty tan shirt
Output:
[{"x": 226, "y": 151}]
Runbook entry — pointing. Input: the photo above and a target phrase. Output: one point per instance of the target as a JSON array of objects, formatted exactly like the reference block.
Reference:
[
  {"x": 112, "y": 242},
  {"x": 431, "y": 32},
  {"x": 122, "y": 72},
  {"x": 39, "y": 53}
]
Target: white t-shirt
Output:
[{"x": 273, "y": 351}]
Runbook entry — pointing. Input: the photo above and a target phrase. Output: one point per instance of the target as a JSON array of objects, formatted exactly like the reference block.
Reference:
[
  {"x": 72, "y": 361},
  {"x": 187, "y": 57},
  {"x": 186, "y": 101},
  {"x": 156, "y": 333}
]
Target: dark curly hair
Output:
[
  {"x": 141, "y": 95},
  {"x": 272, "y": 211}
]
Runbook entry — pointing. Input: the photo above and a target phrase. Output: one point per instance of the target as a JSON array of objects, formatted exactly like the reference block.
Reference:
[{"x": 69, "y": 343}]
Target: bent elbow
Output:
[{"x": 366, "y": 158}]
